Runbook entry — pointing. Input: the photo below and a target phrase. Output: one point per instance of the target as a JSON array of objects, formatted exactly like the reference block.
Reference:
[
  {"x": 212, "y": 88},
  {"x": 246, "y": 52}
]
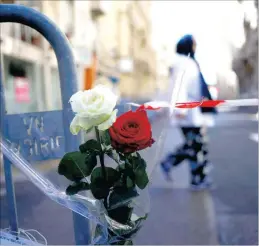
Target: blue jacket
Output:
[{"x": 185, "y": 47}]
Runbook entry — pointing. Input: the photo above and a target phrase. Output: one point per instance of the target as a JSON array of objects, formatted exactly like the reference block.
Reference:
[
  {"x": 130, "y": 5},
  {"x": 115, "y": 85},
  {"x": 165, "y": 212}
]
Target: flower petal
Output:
[
  {"x": 87, "y": 123},
  {"x": 93, "y": 107},
  {"x": 74, "y": 126},
  {"x": 106, "y": 124},
  {"x": 76, "y": 101}
]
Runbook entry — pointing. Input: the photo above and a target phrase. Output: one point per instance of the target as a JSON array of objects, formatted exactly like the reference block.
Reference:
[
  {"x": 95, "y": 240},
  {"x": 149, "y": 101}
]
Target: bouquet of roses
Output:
[{"x": 110, "y": 165}]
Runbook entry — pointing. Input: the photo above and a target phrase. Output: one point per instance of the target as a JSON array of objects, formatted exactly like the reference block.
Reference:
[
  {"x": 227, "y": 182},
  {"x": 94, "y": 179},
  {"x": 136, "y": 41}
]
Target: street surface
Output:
[{"x": 226, "y": 215}]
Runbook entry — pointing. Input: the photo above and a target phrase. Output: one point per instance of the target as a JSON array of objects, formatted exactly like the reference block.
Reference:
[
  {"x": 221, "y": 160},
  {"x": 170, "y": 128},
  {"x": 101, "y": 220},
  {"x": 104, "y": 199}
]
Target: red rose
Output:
[{"x": 131, "y": 132}]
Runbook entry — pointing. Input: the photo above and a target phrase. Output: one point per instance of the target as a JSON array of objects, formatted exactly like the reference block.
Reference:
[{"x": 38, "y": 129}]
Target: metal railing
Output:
[{"x": 67, "y": 73}]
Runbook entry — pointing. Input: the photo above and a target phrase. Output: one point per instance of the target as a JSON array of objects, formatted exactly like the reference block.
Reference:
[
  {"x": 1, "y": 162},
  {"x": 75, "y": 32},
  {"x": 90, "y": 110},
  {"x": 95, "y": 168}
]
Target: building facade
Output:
[
  {"x": 124, "y": 43},
  {"x": 245, "y": 62},
  {"x": 118, "y": 32},
  {"x": 135, "y": 46},
  {"x": 25, "y": 53}
]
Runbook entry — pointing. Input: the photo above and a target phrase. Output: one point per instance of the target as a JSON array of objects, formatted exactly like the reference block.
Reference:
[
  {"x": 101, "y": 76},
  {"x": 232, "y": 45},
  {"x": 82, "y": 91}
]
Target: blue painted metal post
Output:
[
  {"x": 67, "y": 73},
  {"x": 12, "y": 211}
]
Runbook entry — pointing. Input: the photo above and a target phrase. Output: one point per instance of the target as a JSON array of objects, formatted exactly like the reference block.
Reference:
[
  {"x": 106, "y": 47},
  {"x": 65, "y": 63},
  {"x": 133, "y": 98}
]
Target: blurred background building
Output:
[
  {"x": 223, "y": 41},
  {"x": 245, "y": 62},
  {"x": 129, "y": 45},
  {"x": 111, "y": 42},
  {"x": 124, "y": 47},
  {"x": 25, "y": 53}
]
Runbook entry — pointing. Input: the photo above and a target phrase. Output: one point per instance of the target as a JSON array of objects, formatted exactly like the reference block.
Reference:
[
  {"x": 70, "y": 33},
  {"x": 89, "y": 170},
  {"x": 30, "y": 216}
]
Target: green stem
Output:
[{"x": 101, "y": 157}]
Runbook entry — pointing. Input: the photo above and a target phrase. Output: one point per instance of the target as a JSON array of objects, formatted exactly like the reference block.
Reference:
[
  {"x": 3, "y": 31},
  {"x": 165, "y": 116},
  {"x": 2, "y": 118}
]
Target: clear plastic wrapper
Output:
[{"x": 106, "y": 179}]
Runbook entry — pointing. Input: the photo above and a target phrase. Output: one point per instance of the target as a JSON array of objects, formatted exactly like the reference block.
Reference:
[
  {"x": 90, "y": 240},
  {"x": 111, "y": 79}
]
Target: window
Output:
[
  {"x": 56, "y": 90},
  {"x": 143, "y": 42},
  {"x": 67, "y": 17},
  {"x": 7, "y": 1},
  {"x": 20, "y": 85}
]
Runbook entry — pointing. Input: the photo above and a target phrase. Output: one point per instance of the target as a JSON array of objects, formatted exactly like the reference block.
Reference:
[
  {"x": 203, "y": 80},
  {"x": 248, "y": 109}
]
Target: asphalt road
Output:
[
  {"x": 177, "y": 215},
  {"x": 234, "y": 153}
]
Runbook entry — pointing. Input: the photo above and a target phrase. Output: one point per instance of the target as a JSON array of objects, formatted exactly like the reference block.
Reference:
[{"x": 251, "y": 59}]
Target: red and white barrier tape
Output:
[{"x": 155, "y": 105}]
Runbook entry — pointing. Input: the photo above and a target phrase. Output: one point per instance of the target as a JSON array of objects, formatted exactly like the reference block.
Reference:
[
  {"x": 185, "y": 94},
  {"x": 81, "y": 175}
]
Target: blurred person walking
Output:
[{"x": 192, "y": 122}]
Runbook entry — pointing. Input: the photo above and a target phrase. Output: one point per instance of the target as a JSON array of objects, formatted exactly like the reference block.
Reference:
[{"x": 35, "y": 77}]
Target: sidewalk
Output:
[{"x": 178, "y": 216}]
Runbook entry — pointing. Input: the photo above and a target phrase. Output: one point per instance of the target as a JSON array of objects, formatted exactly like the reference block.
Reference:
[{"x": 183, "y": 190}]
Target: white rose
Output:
[{"x": 93, "y": 107}]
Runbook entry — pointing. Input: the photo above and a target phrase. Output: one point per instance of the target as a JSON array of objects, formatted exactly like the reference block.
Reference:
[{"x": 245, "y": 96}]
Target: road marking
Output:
[{"x": 254, "y": 137}]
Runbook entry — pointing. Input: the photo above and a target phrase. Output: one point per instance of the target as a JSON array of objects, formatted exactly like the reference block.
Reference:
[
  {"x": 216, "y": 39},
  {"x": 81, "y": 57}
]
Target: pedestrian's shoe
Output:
[
  {"x": 166, "y": 166},
  {"x": 205, "y": 184}
]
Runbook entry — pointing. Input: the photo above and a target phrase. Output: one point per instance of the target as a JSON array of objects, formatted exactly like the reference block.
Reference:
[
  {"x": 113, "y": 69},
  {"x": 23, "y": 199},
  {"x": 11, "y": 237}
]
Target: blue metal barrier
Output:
[{"x": 52, "y": 119}]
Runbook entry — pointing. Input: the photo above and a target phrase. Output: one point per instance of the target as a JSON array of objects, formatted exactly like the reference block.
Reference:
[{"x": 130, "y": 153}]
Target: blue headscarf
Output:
[{"x": 185, "y": 47}]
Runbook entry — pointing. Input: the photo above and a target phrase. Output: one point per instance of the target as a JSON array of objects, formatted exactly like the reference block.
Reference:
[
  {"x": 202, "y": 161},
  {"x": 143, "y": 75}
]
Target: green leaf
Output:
[
  {"x": 141, "y": 177},
  {"x": 99, "y": 185},
  {"x": 129, "y": 183},
  {"x": 121, "y": 214},
  {"x": 123, "y": 242},
  {"x": 121, "y": 168},
  {"x": 74, "y": 189},
  {"x": 120, "y": 186},
  {"x": 90, "y": 162},
  {"x": 138, "y": 155},
  {"x": 139, "y": 168},
  {"x": 76, "y": 165},
  {"x": 91, "y": 145},
  {"x": 99, "y": 189},
  {"x": 127, "y": 170},
  {"x": 116, "y": 199},
  {"x": 136, "y": 161},
  {"x": 122, "y": 157},
  {"x": 113, "y": 155},
  {"x": 105, "y": 138},
  {"x": 111, "y": 175},
  {"x": 126, "y": 181}
]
